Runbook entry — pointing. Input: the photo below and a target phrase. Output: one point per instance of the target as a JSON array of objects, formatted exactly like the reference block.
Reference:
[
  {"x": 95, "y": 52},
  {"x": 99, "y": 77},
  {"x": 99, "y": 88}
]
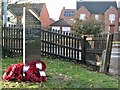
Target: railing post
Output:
[
  {"x": 106, "y": 59},
  {"x": 83, "y": 49}
]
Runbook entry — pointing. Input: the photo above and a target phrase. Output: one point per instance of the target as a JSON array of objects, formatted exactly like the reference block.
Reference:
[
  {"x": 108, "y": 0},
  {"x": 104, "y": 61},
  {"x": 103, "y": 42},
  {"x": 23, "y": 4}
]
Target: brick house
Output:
[
  {"x": 68, "y": 15},
  {"x": 119, "y": 19},
  {"x": 105, "y": 11},
  {"x": 61, "y": 25},
  {"x": 51, "y": 20},
  {"x": 39, "y": 9}
]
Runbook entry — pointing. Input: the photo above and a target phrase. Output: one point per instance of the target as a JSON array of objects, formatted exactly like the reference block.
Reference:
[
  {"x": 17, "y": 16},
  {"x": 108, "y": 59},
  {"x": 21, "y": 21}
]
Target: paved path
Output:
[{"x": 115, "y": 61}]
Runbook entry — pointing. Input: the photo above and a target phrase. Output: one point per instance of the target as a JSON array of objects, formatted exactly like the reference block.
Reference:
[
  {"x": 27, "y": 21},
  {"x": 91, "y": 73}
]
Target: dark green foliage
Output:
[{"x": 88, "y": 26}]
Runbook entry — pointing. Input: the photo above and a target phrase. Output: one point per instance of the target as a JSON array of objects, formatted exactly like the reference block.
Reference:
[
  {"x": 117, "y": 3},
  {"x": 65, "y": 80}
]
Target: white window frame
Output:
[
  {"x": 96, "y": 17},
  {"x": 111, "y": 18},
  {"x": 109, "y": 29},
  {"x": 56, "y": 28},
  {"x": 82, "y": 16},
  {"x": 66, "y": 29},
  {"x": 119, "y": 28}
]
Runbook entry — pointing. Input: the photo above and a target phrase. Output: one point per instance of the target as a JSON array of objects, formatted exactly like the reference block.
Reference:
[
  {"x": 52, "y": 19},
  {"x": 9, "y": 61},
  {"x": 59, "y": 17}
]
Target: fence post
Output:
[
  {"x": 83, "y": 49},
  {"x": 106, "y": 59}
]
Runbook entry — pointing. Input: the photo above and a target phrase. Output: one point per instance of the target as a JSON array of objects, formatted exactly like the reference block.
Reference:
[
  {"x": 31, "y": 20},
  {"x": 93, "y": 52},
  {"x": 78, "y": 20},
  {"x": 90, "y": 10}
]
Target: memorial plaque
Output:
[
  {"x": 27, "y": 18},
  {"x": 32, "y": 38}
]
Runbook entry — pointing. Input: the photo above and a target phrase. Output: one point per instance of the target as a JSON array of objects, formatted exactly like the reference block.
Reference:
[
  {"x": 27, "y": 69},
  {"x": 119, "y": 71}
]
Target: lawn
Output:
[{"x": 63, "y": 74}]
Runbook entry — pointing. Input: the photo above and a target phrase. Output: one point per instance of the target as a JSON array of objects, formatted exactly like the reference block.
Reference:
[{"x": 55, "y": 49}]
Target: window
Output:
[
  {"x": 96, "y": 17},
  {"x": 109, "y": 29},
  {"x": 8, "y": 18},
  {"x": 72, "y": 21},
  {"x": 82, "y": 16},
  {"x": 112, "y": 17},
  {"x": 69, "y": 13},
  {"x": 66, "y": 29}
]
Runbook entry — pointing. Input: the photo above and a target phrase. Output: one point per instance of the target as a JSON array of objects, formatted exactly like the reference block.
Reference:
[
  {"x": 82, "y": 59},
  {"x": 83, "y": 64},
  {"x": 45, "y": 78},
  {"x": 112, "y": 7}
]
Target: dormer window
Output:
[
  {"x": 111, "y": 18},
  {"x": 82, "y": 16}
]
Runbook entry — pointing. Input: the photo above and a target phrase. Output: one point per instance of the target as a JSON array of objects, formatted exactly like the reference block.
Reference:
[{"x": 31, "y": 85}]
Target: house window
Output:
[
  {"x": 69, "y": 13},
  {"x": 66, "y": 29},
  {"x": 82, "y": 16},
  {"x": 112, "y": 17},
  {"x": 96, "y": 17},
  {"x": 119, "y": 28},
  {"x": 8, "y": 18},
  {"x": 72, "y": 21},
  {"x": 109, "y": 29}
]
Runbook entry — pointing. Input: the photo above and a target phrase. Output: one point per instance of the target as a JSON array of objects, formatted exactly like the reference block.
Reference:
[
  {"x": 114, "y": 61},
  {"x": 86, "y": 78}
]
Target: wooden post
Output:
[
  {"x": 107, "y": 54},
  {"x": 83, "y": 50}
]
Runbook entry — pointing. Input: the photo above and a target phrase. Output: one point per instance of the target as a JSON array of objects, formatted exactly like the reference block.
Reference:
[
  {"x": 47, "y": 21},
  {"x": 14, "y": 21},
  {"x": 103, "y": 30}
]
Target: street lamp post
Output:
[{"x": 5, "y": 12}]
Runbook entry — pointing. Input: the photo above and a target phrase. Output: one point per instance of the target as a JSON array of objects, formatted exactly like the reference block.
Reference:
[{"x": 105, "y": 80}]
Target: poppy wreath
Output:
[
  {"x": 35, "y": 72},
  {"x": 13, "y": 72}
]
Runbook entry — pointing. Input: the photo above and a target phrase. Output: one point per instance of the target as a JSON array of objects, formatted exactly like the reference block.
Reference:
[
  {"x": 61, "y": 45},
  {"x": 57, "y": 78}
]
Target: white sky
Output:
[{"x": 55, "y": 6}]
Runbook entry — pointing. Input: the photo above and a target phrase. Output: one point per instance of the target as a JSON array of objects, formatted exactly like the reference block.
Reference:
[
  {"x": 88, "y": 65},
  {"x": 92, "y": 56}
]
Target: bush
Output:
[{"x": 88, "y": 26}]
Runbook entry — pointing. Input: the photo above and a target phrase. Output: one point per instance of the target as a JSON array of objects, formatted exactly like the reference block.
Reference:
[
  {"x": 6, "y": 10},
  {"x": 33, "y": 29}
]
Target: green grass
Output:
[{"x": 62, "y": 74}]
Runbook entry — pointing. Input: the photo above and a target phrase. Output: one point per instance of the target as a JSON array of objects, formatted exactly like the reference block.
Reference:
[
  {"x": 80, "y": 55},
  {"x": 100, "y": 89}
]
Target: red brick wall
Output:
[
  {"x": 62, "y": 13},
  {"x": 119, "y": 18},
  {"x": 100, "y": 17},
  {"x": 111, "y": 10},
  {"x": 44, "y": 17},
  {"x": 82, "y": 10},
  {"x": 67, "y": 18}
]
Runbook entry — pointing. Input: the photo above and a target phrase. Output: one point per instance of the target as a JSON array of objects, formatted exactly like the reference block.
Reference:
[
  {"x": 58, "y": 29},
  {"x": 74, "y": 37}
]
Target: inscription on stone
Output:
[{"x": 32, "y": 45}]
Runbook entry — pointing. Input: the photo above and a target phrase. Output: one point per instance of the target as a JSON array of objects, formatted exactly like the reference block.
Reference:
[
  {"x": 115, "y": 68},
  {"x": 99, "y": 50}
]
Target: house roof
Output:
[
  {"x": 61, "y": 22},
  {"x": 17, "y": 9},
  {"x": 96, "y": 7},
  {"x": 51, "y": 20},
  {"x": 67, "y": 13}
]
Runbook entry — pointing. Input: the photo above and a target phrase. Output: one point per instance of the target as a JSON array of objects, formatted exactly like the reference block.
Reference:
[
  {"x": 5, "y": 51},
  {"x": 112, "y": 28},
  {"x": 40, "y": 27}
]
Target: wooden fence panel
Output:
[
  {"x": 12, "y": 41},
  {"x": 56, "y": 43},
  {"x": 61, "y": 44},
  {"x": 94, "y": 46}
]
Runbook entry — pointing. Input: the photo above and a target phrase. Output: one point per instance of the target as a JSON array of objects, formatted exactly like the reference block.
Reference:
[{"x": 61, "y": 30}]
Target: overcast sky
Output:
[{"x": 55, "y": 6}]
